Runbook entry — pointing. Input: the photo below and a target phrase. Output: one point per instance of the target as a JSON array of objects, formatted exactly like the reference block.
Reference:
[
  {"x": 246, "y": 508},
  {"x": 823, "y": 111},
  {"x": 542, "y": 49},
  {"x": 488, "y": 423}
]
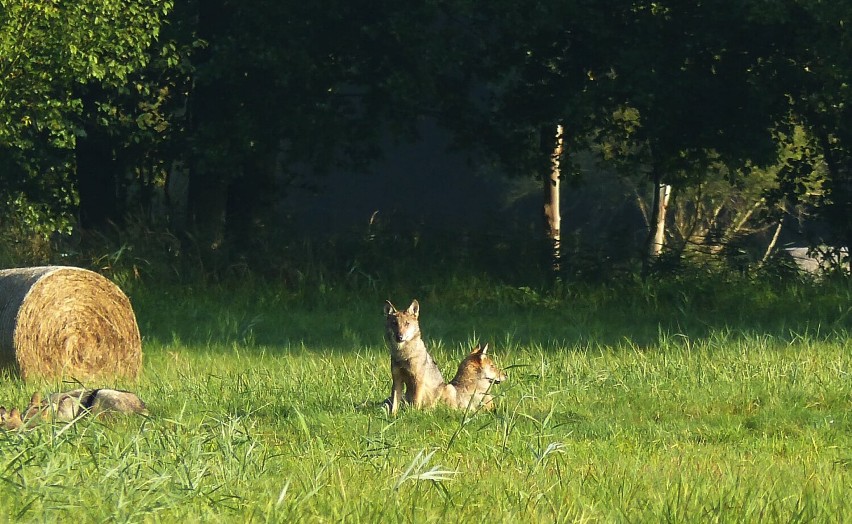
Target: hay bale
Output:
[{"x": 66, "y": 322}]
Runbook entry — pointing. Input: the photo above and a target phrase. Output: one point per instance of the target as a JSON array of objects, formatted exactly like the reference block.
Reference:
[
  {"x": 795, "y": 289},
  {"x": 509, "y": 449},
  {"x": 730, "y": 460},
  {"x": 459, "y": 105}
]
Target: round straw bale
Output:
[{"x": 60, "y": 321}]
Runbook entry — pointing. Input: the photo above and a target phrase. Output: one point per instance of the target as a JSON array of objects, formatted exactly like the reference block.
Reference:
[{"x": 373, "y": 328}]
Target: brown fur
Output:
[
  {"x": 470, "y": 388},
  {"x": 34, "y": 408},
  {"x": 412, "y": 367},
  {"x": 10, "y": 420},
  {"x": 69, "y": 405}
]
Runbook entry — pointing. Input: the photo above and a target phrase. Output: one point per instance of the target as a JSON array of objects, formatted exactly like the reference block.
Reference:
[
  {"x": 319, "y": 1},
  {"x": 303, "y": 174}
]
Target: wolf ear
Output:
[
  {"x": 414, "y": 308},
  {"x": 478, "y": 350},
  {"x": 389, "y": 309},
  {"x": 484, "y": 349}
]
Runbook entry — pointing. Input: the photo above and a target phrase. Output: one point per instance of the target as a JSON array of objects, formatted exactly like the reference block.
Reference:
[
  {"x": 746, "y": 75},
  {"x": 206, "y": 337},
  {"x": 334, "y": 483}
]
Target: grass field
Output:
[{"x": 622, "y": 405}]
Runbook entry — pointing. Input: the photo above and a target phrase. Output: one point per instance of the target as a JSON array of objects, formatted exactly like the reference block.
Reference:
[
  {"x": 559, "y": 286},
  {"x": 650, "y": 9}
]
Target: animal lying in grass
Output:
[
  {"x": 70, "y": 405},
  {"x": 414, "y": 370},
  {"x": 471, "y": 387}
]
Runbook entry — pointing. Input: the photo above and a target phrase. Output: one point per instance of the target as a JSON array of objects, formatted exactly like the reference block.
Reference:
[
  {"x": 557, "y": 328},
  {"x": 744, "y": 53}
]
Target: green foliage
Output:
[
  {"x": 47, "y": 51},
  {"x": 819, "y": 67},
  {"x": 48, "y": 47}
]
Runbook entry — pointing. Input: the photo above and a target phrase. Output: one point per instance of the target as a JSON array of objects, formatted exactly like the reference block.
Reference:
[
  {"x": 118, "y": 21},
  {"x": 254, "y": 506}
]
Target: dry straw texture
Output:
[{"x": 66, "y": 322}]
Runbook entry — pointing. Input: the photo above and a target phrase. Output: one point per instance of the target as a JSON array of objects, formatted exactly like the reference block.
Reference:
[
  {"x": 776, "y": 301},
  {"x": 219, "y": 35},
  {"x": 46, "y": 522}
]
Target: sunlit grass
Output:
[{"x": 263, "y": 409}]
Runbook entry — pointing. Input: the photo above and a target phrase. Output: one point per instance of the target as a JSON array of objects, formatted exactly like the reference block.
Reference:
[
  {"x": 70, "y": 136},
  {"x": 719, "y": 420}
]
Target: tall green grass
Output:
[{"x": 687, "y": 402}]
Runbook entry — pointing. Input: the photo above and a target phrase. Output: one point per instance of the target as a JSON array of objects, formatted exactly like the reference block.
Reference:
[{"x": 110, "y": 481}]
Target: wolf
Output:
[
  {"x": 412, "y": 367},
  {"x": 69, "y": 405},
  {"x": 470, "y": 388}
]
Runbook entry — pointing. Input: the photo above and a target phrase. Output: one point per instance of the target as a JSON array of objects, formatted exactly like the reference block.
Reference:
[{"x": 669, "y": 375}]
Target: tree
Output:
[
  {"x": 815, "y": 68},
  {"x": 289, "y": 90},
  {"x": 685, "y": 78},
  {"x": 524, "y": 78},
  {"x": 47, "y": 51}
]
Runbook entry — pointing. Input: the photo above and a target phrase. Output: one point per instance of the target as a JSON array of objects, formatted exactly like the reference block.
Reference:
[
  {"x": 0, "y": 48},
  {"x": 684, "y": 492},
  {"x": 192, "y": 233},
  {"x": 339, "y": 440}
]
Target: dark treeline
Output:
[{"x": 729, "y": 118}]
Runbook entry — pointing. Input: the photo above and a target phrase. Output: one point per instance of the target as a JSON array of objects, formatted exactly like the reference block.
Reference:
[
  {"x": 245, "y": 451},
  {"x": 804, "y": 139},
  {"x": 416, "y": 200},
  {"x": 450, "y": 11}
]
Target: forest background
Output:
[{"x": 208, "y": 139}]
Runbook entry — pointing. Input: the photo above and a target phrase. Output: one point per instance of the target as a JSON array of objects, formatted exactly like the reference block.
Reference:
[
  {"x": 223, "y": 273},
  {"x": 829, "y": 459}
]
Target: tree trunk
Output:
[
  {"x": 207, "y": 192},
  {"x": 771, "y": 247},
  {"x": 664, "y": 191},
  {"x": 96, "y": 173},
  {"x": 177, "y": 189},
  {"x": 552, "y": 215},
  {"x": 207, "y": 202},
  {"x": 95, "y": 182},
  {"x": 657, "y": 231}
]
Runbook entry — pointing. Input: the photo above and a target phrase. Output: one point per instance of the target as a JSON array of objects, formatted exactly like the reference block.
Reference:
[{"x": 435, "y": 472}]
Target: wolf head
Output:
[
  {"x": 402, "y": 326},
  {"x": 487, "y": 371},
  {"x": 477, "y": 372}
]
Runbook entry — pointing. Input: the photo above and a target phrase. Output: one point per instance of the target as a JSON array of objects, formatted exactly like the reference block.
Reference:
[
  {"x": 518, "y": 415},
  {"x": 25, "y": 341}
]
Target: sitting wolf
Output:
[{"x": 412, "y": 367}]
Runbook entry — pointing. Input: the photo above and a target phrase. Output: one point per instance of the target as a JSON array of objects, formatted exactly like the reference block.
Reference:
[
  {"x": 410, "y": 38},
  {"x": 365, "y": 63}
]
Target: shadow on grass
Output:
[{"x": 633, "y": 313}]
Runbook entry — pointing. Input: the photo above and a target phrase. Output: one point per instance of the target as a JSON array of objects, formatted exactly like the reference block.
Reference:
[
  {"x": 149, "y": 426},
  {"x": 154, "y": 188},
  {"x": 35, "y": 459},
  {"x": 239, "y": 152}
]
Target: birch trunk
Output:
[
  {"x": 771, "y": 247},
  {"x": 662, "y": 193},
  {"x": 552, "y": 214},
  {"x": 657, "y": 224}
]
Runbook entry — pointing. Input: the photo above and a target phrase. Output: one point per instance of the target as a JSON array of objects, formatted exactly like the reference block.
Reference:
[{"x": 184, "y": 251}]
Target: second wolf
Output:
[
  {"x": 412, "y": 367},
  {"x": 471, "y": 387}
]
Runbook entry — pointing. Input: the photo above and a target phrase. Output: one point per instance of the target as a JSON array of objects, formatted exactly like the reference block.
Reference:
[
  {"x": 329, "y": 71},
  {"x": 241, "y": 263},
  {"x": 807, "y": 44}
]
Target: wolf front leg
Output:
[
  {"x": 418, "y": 396},
  {"x": 396, "y": 390}
]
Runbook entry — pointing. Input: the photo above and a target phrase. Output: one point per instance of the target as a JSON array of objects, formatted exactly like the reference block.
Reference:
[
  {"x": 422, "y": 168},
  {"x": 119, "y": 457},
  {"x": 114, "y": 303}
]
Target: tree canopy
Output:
[
  {"x": 102, "y": 103},
  {"x": 48, "y": 50}
]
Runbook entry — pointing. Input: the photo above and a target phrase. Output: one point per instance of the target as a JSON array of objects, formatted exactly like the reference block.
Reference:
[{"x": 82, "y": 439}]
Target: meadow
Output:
[{"x": 719, "y": 401}]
